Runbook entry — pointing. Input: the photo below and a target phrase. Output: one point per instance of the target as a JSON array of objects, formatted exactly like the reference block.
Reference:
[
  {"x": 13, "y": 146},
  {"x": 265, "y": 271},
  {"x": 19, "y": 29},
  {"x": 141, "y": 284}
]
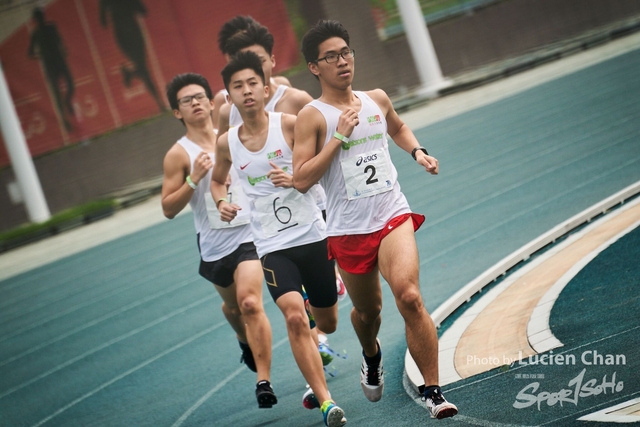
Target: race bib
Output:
[
  {"x": 367, "y": 174},
  {"x": 235, "y": 195},
  {"x": 284, "y": 210}
]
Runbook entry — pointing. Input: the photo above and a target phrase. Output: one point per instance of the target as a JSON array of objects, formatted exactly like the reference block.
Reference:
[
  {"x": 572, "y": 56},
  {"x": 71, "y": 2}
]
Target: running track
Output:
[{"x": 122, "y": 331}]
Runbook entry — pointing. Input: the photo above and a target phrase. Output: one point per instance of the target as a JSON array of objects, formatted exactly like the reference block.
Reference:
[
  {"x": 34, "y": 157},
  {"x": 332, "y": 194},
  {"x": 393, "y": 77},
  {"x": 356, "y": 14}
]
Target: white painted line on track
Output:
[
  {"x": 539, "y": 332},
  {"x": 206, "y": 396},
  {"x": 105, "y": 345},
  {"x": 96, "y": 321},
  {"x": 88, "y": 302},
  {"x": 464, "y": 294},
  {"x": 214, "y": 390},
  {"x": 608, "y": 415},
  {"x": 129, "y": 372}
]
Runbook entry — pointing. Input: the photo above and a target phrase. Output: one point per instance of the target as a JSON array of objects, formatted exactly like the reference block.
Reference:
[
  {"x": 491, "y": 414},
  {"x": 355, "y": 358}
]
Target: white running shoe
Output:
[
  {"x": 309, "y": 399},
  {"x": 438, "y": 406},
  {"x": 372, "y": 378}
]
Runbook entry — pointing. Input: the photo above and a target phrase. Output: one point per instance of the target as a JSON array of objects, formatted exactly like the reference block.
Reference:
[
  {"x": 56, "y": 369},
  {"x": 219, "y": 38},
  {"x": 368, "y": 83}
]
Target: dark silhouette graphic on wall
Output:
[
  {"x": 47, "y": 45},
  {"x": 128, "y": 34}
]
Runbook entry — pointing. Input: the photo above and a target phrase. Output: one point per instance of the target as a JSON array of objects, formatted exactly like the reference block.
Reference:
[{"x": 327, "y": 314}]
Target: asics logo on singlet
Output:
[
  {"x": 366, "y": 159},
  {"x": 254, "y": 181}
]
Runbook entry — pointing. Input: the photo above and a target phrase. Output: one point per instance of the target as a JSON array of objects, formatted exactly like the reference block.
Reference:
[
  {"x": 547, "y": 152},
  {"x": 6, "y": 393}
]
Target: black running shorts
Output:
[
  {"x": 289, "y": 269},
  {"x": 220, "y": 272}
]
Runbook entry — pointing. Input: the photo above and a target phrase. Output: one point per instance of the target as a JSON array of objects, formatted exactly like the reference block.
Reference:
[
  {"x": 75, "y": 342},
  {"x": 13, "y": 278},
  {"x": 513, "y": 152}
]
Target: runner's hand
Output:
[
  {"x": 228, "y": 211},
  {"x": 201, "y": 165},
  {"x": 429, "y": 163},
  {"x": 279, "y": 178},
  {"x": 347, "y": 121}
]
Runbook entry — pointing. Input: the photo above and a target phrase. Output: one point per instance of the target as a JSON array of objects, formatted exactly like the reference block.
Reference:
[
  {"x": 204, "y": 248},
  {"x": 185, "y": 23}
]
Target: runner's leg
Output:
[
  {"x": 248, "y": 278},
  {"x": 399, "y": 264},
  {"x": 366, "y": 296}
]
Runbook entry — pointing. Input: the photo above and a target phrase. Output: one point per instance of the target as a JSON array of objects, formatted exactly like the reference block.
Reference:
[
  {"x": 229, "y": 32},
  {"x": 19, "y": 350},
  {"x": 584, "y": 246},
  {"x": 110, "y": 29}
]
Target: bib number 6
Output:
[{"x": 282, "y": 212}]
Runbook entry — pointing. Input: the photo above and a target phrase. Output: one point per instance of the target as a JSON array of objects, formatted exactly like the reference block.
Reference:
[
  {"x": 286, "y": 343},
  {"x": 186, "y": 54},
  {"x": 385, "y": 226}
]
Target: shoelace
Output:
[
  {"x": 437, "y": 398},
  {"x": 372, "y": 374}
]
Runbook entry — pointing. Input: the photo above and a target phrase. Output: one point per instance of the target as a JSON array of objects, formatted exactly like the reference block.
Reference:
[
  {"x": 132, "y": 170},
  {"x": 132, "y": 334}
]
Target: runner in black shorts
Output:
[
  {"x": 221, "y": 272},
  {"x": 293, "y": 269}
]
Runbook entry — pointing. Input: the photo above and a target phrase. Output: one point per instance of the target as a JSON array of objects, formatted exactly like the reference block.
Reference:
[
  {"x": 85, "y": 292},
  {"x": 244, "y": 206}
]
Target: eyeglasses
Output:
[
  {"x": 185, "y": 101},
  {"x": 335, "y": 57}
]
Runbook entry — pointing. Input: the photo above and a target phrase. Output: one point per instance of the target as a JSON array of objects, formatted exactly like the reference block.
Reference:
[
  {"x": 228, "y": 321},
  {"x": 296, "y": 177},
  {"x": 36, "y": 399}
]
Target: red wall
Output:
[{"x": 181, "y": 36}]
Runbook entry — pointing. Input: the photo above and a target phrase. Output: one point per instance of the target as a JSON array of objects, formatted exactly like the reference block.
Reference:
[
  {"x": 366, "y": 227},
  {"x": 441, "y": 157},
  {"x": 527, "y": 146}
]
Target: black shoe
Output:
[
  {"x": 265, "y": 395},
  {"x": 247, "y": 356}
]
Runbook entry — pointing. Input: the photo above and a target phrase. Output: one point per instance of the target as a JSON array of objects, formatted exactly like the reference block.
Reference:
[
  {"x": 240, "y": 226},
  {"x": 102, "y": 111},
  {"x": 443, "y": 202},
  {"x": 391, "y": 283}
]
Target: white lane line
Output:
[
  {"x": 206, "y": 396},
  {"x": 122, "y": 223},
  {"x": 106, "y": 344},
  {"x": 76, "y": 277},
  {"x": 214, "y": 390},
  {"x": 532, "y": 178},
  {"x": 448, "y": 343},
  {"x": 125, "y": 287},
  {"x": 97, "y": 321},
  {"x": 129, "y": 372},
  {"x": 524, "y": 212},
  {"x": 408, "y": 388},
  {"x": 591, "y": 408},
  {"x": 609, "y": 415},
  {"x": 539, "y": 333}
]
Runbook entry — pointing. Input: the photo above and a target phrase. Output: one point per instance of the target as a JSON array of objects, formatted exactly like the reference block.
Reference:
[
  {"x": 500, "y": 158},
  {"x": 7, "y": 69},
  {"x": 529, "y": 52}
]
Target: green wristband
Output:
[
  {"x": 222, "y": 199},
  {"x": 190, "y": 183},
  {"x": 341, "y": 137}
]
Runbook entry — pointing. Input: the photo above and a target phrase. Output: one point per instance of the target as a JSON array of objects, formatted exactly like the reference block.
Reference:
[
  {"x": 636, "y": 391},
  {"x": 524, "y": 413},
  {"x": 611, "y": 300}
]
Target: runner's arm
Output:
[
  {"x": 401, "y": 134},
  {"x": 219, "y": 99},
  {"x": 176, "y": 193},
  {"x": 228, "y": 211},
  {"x": 223, "y": 118},
  {"x": 311, "y": 158}
]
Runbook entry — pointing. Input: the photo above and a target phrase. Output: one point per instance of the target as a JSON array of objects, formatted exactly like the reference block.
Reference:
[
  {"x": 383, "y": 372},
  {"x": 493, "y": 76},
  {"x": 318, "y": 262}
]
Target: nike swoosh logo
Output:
[
  {"x": 390, "y": 227},
  {"x": 242, "y": 167}
]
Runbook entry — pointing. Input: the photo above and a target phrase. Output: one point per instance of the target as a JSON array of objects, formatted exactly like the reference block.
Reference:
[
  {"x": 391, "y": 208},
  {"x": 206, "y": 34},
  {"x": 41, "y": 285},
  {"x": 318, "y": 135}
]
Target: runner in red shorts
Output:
[{"x": 341, "y": 142}]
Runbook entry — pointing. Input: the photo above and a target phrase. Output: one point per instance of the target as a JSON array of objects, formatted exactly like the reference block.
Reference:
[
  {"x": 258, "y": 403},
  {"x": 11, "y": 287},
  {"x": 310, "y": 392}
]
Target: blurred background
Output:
[{"x": 89, "y": 91}]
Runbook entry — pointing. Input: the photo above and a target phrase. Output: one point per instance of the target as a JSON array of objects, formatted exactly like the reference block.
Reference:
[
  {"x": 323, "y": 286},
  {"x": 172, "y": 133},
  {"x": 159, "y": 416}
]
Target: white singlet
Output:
[
  {"x": 235, "y": 120},
  {"x": 280, "y": 218},
  {"x": 361, "y": 183},
  {"x": 234, "y": 115},
  {"x": 218, "y": 242}
]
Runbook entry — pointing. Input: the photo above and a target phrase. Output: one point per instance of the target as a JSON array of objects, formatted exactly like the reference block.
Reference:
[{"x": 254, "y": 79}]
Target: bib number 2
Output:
[{"x": 367, "y": 174}]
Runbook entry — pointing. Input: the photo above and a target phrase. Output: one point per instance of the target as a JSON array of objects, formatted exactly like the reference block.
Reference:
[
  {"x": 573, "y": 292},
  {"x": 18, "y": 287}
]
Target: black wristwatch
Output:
[{"x": 413, "y": 152}]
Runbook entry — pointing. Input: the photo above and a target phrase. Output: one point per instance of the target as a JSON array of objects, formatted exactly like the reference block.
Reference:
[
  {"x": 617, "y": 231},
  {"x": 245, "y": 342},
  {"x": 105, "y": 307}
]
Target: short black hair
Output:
[
  {"x": 182, "y": 80},
  {"x": 242, "y": 61},
  {"x": 319, "y": 33},
  {"x": 232, "y": 27},
  {"x": 255, "y": 34}
]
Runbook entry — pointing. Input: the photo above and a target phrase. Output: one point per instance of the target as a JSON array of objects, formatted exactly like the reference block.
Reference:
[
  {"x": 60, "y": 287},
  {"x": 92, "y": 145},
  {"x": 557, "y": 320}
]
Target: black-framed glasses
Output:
[
  {"x": 185, "y": 101},
  {"x": 335, "y": 57}
]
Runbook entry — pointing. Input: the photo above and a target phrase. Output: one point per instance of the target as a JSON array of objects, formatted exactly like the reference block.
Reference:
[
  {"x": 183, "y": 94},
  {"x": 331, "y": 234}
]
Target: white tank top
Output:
[
  {"x": 234, "y": 115},
  {"x": 235, "y": 120},
  {"x": 218, "y": 242},
  {"x": 361, "y": 183},
  {"x": 281, "y": 218}
]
